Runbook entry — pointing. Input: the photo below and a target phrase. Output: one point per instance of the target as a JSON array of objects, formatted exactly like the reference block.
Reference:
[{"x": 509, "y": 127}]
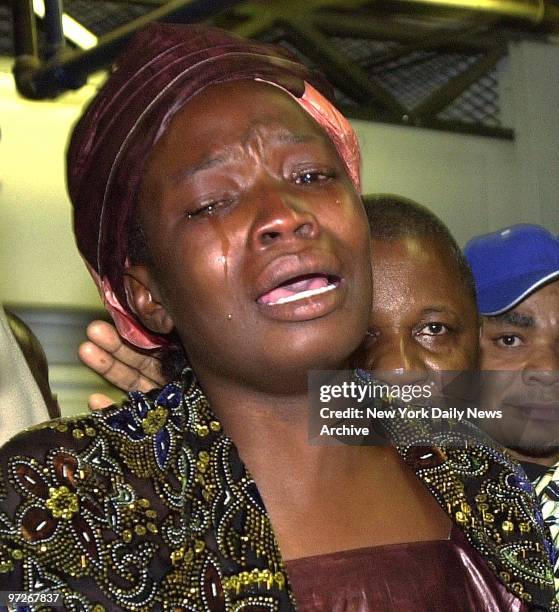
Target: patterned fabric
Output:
[
  {"x": 147, "y": 506},
  {"x": 488, "y": 495},
  {"x": 547, "y": 490}
]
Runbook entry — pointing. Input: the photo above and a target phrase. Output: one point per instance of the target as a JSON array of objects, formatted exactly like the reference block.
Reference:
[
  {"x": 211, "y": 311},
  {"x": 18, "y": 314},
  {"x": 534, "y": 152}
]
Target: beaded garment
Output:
[
  {"x": 547, "y": 490},
  {"x": 147, "y": 506}
]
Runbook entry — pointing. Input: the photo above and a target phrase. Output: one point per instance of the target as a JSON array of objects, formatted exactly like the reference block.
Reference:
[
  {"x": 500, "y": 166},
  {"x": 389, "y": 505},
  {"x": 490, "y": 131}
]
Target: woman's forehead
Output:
[
  {"x": 245, "y": 108},
  {"x": 225, "y": 119}
]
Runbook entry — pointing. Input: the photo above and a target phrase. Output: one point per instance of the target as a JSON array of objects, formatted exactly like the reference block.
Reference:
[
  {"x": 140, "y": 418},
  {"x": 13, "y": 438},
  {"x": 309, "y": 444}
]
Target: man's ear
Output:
[{"x": 144, "y": 299}]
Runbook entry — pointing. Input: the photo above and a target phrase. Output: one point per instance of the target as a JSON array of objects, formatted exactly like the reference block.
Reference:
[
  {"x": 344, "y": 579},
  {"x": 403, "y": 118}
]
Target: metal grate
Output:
[
  {"x": 478, "y": 104},
  {"x": 414, "y": 76},
  {"x": 101, "y": 17},
  {"x": 363, "y": 51}
]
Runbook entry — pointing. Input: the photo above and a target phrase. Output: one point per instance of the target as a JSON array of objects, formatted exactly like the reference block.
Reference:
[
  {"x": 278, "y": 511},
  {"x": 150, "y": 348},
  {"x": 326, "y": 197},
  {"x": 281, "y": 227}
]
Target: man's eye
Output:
[
  {"x": 312, "y": 176},
  {"x": 433, "y": 329},
  {"x": 508, "y": 340}
]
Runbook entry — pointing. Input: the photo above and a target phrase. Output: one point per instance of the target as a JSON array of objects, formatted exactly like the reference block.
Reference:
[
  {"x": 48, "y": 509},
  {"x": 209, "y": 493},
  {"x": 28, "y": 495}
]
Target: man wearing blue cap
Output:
[{"x": 516, "y": 271}]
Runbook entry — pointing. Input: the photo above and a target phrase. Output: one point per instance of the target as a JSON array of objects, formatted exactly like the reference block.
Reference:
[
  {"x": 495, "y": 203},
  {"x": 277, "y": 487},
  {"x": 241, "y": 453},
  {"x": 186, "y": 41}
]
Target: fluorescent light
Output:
[{"x": 73, "y": 30}]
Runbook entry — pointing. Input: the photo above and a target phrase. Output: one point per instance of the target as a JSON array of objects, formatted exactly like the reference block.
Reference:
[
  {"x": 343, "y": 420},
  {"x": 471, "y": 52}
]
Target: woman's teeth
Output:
[{"x": 302, "y": 295}]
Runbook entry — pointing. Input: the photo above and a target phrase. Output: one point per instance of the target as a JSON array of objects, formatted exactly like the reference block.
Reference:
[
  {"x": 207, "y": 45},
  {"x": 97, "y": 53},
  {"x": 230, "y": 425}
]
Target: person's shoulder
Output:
[
  {"x": 69, "y": 430},
  {"x": 140, "y": 438},
  {"x": 77, "y": 431}
]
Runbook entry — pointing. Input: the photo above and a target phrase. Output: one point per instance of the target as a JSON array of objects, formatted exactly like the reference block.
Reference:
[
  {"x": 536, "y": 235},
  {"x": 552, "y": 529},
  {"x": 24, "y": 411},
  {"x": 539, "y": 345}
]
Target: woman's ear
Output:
[{"x": 143, "y": 297}]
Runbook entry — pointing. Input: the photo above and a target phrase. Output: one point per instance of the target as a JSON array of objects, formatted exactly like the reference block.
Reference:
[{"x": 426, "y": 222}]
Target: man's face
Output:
[
  {"x": 424, "y": 320},
  {"x": 259, "y": 238},
  {"x": 522, "y": 347}
]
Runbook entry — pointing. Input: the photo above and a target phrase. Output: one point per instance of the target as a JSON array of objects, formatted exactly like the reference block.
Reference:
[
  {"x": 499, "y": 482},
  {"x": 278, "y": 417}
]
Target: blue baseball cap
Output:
[{"x": 510, "y": 264}]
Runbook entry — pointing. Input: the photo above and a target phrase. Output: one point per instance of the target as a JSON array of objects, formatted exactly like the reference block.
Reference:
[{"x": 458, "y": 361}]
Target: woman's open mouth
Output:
[{"x": 300, "y": 288}]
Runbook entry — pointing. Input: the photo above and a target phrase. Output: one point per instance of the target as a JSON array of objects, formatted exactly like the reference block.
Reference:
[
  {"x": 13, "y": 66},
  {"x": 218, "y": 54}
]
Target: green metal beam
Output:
[{"x": 341, "y": 71}]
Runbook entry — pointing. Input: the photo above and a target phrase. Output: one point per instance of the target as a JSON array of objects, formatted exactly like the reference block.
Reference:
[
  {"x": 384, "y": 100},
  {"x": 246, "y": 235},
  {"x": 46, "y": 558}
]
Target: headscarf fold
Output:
[{"x": 163, "y": 67}]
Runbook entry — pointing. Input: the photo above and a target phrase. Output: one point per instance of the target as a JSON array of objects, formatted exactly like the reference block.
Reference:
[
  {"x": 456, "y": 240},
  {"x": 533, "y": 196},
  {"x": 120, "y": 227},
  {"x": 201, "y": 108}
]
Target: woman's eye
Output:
[
  {"x": 508, "y": 341},
  {"x": 434, "y": 329},
  {"x": 208, "y": 209},
  {"x": 311, "y": 177}
]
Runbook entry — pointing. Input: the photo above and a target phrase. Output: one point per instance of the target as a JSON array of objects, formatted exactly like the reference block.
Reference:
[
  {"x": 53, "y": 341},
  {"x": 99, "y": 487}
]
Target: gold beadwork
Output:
[
  {"x": 140, "y": 530},
  {"x": 155, "y": 420},
  {"x": 62, "y": 503},
  {"x": 202, "y": 431},
  {"x": 199, "y": 546}
]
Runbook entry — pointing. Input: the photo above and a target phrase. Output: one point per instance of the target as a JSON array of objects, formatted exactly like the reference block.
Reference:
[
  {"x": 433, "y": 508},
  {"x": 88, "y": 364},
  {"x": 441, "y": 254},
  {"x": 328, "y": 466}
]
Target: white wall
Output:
[
  {"x": 535, "y": 98},
  {"x": 469, "y": 181},
  {"x": 39, "y": 263}
]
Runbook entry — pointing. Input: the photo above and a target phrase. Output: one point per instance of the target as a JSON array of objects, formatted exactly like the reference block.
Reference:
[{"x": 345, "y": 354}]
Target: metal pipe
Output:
[
  {"x": 53, "y": 28},
  {"x": 70, "y": 72},
  {"x": 25, "y": 29},
  {"x": 25, "y": 39},
  {"x": 537, "y": 12}
]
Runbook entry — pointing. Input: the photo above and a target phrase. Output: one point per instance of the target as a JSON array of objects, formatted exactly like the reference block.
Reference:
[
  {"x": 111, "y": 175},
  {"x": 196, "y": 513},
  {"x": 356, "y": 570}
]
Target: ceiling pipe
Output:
[
  {"x": 25, "y": 38},
  {"x": 70, "y": 71},
  {"x": 537, "y": 12},
  {"x": 53, "y": 28},
  {"x": 25, "y": 33}
]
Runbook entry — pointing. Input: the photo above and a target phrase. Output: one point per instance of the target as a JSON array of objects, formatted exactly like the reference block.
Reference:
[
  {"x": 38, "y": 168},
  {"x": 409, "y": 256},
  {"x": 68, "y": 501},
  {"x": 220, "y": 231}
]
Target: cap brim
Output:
[{"x": 500, "y": 297}]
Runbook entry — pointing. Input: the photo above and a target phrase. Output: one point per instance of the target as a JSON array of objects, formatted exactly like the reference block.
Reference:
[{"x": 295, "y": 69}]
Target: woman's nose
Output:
[{"x": 284, "y": 216}]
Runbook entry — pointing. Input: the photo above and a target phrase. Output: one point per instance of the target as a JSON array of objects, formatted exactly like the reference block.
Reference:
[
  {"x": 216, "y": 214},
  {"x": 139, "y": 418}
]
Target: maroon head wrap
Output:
[{"x": 164, "y": 67}]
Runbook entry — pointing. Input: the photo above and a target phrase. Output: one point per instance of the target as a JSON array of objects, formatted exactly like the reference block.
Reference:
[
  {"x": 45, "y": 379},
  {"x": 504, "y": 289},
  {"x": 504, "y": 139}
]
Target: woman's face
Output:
[{"x": 259, "y": 239}]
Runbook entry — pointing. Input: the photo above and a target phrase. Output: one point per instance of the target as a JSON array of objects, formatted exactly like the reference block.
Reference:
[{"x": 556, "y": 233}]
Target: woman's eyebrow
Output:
[
  {"x": 277, "y": 133},
  {"x": 287, "y": 137},
  {"x": 210, "y": 162}
]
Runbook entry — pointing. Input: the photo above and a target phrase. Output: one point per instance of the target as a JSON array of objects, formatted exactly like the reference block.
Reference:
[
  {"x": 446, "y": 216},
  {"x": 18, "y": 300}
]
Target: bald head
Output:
[{"x": 393, "y": 217}]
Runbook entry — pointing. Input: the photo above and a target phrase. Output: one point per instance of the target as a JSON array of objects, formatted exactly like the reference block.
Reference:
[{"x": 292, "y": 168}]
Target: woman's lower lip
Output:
[{"x": 305, "y": 309}]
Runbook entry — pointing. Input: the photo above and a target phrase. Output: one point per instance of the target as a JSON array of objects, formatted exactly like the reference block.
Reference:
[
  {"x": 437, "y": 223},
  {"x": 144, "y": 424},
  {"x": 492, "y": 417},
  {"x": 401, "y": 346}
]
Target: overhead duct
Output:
[{"x": 536, "y": 12}]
